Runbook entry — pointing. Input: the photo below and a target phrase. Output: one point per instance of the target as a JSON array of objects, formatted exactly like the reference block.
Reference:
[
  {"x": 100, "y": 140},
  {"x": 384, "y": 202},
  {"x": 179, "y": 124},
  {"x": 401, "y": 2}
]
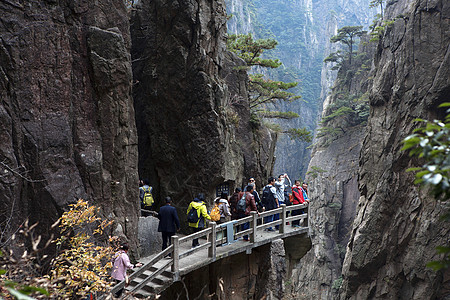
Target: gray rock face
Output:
[
  {"x": 259, "y": 275},
  {"x": 397, "y": 226},
  {"x": 334, "y": 195},
  {"x": 190, "y": 118},
  {"x": 67, "y": 120}
]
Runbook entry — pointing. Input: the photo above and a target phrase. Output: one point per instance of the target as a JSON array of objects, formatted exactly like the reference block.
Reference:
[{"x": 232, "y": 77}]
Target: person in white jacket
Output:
[{"x": 224, "y": 208}]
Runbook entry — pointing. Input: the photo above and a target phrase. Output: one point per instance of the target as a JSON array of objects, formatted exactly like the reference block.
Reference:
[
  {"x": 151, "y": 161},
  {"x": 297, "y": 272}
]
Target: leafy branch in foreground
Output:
[
  {"x": 82, "y": 266},
  {"x": 432, "y": 143}
]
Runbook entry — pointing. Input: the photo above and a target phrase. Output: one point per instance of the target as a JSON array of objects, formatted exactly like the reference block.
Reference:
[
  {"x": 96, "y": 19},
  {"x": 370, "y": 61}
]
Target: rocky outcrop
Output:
[
  {"x": 397, "y": 226},
  {"x": 67, "y": 121},
  {"x": 190, "y": 117}
]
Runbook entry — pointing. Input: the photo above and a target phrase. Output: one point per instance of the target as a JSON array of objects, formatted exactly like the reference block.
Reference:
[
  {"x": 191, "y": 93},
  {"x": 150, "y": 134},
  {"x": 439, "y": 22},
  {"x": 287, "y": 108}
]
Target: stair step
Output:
[
  {"x": 152, "y": 287},
  {"x": 144, "y": 295},
  {"x": 152, "y": 270}
]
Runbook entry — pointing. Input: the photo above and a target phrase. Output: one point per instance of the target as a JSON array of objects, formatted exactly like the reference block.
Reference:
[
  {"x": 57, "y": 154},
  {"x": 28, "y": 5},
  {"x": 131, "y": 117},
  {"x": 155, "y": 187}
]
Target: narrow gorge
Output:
[{"x": 96, "y": 95}]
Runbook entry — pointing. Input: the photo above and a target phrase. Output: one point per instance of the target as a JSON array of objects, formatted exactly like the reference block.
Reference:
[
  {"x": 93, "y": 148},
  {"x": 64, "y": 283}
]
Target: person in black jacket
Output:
[{"x": 168, "y": 222}]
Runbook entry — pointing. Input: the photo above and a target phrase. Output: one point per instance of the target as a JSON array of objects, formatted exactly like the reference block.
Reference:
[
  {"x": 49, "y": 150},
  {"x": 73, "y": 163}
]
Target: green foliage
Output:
[
  {"x": 278, "y": 114},
  {"x": 331, "y": 133},
  {"x": 378, "y": 30},
  {"x": 301, "y": 134},
  {"x": 315, "y": 171},
  {"x": 265, "y": 91},
  {"x": 250, "y": 50},
  {"x": 337, "y": 283},
  {"x": 335, "y": 57},
  {"x": 376, "y": 3},
  {"x": 348, "y": 36},
  {"x": 431, "y": 142},
  {"x": 342, "y": 112}
]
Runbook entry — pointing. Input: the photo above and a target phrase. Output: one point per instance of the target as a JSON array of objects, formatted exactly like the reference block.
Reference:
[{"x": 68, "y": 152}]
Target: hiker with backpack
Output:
[
  {"x": 146, "y": 196},
  {"x": 196, "y": 215},
  {"x": 244, "y": 206},
  {"x": 270, "y": 201},
  {"x": 233, "y": 202},
  {"x": 224, "y": 208}
]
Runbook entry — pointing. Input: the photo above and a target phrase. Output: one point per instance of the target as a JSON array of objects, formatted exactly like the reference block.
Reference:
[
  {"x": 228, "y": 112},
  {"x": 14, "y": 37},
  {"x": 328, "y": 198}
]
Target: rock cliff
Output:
[
  {"x": 67, "y": 127},
  {"x": 191, "y": 104},
  {"x": 397, "y": 225},
  {"x": 333, "y": 186}
]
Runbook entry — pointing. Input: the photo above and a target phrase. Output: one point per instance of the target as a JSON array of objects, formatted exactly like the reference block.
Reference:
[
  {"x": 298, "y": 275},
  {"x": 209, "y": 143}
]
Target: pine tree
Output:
[
  {"x": 347, "y": 35},
  {"x": 262, "y": 90},
  {"x": 375, "y": 3}
]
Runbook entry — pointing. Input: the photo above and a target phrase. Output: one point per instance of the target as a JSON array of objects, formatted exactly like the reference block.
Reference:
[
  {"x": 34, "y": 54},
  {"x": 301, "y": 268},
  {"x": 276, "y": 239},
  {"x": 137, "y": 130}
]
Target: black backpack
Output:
[
  {"x": 267, "y": 198},
  {"x": 192, "y": 215},
  {"x": 241, "y": 204}
]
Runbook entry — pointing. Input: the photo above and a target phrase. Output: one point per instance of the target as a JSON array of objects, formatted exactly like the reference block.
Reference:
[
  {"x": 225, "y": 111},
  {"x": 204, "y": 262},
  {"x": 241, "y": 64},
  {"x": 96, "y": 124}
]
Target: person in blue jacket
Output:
[{"x": 168, "y": 222}]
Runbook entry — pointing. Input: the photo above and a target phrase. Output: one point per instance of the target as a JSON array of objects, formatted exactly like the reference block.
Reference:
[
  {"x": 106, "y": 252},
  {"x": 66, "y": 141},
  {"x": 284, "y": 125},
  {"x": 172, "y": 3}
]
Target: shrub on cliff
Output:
[{"x": 432, "y": 143}]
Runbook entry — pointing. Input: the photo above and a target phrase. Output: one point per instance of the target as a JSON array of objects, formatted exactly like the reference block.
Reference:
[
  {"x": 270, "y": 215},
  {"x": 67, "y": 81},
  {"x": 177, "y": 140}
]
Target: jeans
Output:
[
  {"x": 275, "y": 218},
  {"x": 268, "y": 220},
  {"x": 244, "y": 227}
]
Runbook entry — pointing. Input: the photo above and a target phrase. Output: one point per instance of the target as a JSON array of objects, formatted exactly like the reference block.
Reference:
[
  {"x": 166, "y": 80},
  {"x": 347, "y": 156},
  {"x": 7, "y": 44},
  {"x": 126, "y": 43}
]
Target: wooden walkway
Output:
[{"x": 216, "y": 242}]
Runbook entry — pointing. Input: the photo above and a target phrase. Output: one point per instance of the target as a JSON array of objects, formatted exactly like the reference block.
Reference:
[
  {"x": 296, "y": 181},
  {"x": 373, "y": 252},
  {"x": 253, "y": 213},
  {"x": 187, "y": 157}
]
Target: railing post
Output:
[
  {"x": 212, "y": 240},
  {"x": 176, "y": 255},
  {"x": 283, "y": 218},
  {"x": 306, "y": 219},
  {"x": 254, "y": 215}
]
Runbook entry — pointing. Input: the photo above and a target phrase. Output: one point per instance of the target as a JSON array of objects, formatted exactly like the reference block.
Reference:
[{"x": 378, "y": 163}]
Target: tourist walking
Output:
[
  {"x": 121, "y": 262},
  {"x": 250, "y": 205},
  {"x": 224, "y": 208},
  {"x": 270, "y": 200},
  {"x": 146, "y": 196},
  {"x": 233, "y": 202},
  {"x": 196, "y": 215},
  {"x": 258, "y": 202},
  {"x": 168, "y": 222}
]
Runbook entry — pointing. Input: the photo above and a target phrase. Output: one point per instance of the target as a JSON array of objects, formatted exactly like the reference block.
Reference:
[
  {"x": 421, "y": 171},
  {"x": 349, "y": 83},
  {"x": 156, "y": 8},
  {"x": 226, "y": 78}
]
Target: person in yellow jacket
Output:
[{"x": 199, "y": 205}]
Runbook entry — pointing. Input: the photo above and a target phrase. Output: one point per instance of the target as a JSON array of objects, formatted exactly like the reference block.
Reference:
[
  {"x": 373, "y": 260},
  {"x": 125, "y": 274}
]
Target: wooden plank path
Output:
[{"x": 216, "y": 242}]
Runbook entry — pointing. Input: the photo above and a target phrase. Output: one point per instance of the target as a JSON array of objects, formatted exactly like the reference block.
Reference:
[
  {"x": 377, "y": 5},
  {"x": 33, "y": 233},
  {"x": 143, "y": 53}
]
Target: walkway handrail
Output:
[{"x": 210, "y": 233}]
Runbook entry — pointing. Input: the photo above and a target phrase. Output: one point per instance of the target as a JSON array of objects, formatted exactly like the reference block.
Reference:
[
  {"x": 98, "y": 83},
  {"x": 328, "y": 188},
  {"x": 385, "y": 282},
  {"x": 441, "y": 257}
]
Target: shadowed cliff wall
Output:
[
  {"x": 191, "y": 104},
  {"x": 67, "y": 127}
]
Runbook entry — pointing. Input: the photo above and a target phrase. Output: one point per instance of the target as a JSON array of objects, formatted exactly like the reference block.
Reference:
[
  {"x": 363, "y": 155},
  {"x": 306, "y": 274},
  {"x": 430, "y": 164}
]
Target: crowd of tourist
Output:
[{"x": 240, "y": 204}]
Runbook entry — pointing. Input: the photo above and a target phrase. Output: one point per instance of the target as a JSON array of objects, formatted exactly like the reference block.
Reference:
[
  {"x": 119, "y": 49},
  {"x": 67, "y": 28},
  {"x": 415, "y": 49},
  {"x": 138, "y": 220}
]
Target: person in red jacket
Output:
[{"x": 297, "y": 198}]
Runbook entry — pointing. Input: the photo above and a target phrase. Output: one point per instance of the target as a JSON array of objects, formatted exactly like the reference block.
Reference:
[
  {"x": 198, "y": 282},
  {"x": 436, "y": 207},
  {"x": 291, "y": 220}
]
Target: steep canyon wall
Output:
[
  {"x": 333, "y": 186},
  {"x": 191, "y": 103},
  {"x": 67, "y": 127},
  {"x": 397, "y": 225},
  {"x": 303, "y": 29}
]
